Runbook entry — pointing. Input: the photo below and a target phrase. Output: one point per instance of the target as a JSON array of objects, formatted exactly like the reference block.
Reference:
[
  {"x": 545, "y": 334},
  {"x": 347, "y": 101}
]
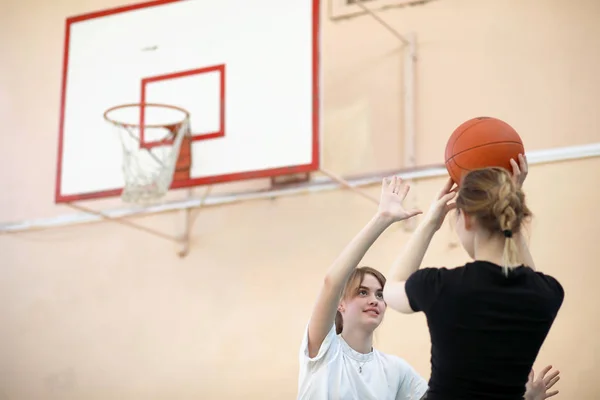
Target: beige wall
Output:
[{"x": 101, "y": 311}]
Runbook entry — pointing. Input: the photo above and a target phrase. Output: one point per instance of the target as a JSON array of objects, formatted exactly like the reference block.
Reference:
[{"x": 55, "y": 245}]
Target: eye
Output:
[
  {"x": 380, "y": 295},
  {"x": 362, "y": 292}
]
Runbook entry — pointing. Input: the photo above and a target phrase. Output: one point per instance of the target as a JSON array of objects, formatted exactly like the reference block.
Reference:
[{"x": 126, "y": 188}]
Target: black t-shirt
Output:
[{"x": 486, "y": 328}]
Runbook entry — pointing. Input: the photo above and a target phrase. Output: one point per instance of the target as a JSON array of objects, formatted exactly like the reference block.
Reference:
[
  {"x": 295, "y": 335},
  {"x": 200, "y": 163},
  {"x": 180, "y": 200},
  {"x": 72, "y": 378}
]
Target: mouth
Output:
[{"x": 372, "y": 311}]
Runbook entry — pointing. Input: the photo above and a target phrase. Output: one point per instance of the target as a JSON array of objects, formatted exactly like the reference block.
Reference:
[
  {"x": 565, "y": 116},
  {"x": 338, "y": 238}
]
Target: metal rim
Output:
[{"x": 140, "y": 105}]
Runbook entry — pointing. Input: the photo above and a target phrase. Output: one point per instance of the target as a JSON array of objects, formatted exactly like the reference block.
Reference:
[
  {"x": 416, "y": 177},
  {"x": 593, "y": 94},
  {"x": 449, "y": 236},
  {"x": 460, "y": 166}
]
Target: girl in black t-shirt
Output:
[{"x": 488, "y": 318}]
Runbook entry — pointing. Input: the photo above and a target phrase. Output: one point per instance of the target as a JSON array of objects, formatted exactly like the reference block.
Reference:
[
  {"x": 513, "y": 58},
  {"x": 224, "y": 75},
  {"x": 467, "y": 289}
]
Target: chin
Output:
[{"x": 373, "y": 323}]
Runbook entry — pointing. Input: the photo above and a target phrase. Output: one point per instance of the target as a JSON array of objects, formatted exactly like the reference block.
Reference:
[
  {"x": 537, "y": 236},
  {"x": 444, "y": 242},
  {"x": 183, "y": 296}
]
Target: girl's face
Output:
[{"x": 365, "y": 308}]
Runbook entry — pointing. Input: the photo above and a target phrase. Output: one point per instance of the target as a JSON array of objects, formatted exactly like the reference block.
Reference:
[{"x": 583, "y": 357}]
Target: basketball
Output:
[{"x": 479, "y": 143}]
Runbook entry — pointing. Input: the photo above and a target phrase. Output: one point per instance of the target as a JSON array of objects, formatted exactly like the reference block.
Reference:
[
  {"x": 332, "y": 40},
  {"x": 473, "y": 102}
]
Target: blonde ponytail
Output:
[
  {"x": 507, "y": 200},
  {"x": 490, "y": 195},
  {"x": 510, "y": 256}
]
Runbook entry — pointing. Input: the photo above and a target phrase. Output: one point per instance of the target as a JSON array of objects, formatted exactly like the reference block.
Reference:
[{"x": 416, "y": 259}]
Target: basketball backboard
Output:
[{"x": 246, "y": 71}]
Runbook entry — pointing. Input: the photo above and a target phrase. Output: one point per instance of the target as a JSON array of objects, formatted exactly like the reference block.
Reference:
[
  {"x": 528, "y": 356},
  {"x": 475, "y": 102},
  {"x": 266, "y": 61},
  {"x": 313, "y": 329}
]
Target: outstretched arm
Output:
[
  {"x": 390, "y": 210},
  {"x": 329, "y": 297},
  {"x": 412, "y": 254},
  {"x": 404, "y": 266}
]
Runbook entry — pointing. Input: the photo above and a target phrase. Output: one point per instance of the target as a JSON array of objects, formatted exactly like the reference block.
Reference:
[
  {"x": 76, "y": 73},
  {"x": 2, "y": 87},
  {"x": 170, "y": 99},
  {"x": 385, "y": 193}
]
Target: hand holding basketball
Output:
[
  {"x": 520, "y": 170},
  {"x": 393, "y": 193},
  {"x": 441, "y": 205}
]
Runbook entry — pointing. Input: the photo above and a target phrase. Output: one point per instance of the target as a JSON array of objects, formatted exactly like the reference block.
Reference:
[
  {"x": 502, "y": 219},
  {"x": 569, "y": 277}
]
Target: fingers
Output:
[
  {"x": 384, "y": 185},
  {"x": 521, "y": 168},
  {"x": 447, "y": 197},
  {"x": 523, "y": 163},
  {"x": 552, "y": 375},
  {"x": 552, "y": 393},
  {"x": 395, "y": 185},
  {"x": 401, "y": 188},
  {"x": 552, "y": 382},
  {"x": 413, "y": 212},
  {"x": 545, "y": 371},
  {"x": 449, "y": 184},
  {"x": 515, "y": 167},
  {"x": 387, "y": 185},
  {"x": 446, "y": 188},
  {"x": 531, "y": 375},
  {"x": 388, "y": 182},
  {"x": 551, "y": 379},
  {"x": 403, "y": 191}
]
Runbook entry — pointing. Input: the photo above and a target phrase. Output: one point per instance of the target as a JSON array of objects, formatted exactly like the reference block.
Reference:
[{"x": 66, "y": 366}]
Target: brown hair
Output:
[
  {"x": 497, "y": 203},
  {"x": 351, "y": 289}
]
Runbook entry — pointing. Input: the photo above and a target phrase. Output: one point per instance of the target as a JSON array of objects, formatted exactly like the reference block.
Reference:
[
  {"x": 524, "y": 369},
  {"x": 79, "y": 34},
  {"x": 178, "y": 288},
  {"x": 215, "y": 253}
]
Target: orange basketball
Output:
[{"x": 481, "y": 142}]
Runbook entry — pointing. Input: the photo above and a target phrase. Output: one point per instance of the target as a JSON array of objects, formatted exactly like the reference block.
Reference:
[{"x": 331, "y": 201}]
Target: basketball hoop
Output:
[{"x": 151, "y": 137}]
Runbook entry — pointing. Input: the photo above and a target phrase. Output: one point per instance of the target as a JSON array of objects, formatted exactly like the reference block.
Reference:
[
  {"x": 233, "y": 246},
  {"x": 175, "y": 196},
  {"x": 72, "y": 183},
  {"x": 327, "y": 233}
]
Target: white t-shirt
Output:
[{"x": 334, "y": 374}]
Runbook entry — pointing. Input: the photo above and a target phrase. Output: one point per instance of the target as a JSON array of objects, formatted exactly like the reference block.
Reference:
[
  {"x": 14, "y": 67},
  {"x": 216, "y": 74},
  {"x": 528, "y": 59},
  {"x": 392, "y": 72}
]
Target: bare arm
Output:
[
  {"x": 405, "y": 265},
  {"x": 390, "y": 210},
  {"x": 412, "y": 254},
  {"x": 324, "y": 311}
]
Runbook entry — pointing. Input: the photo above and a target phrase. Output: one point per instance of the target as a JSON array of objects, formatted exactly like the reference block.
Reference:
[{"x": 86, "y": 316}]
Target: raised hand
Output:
[
  {"x": 441, "y": 204},
  {"x": 538, "y": 389},
  {"x": 520, "y": 170},
  {"x": 393, "y": 193}
]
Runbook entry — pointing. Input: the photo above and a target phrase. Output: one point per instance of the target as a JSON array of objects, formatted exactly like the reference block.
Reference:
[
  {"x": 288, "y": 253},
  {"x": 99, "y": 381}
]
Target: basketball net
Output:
[{"x": 149, "y": 162}]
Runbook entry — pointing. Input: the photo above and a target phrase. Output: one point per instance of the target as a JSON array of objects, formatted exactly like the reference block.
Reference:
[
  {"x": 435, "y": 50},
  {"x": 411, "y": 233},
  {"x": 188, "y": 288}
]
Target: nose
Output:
[{"x": 373, "y": 301}]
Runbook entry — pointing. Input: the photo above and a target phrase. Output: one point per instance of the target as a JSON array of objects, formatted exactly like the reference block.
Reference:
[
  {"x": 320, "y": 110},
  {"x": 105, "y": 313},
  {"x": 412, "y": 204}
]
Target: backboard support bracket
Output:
[{"x": 183, "y": 241}]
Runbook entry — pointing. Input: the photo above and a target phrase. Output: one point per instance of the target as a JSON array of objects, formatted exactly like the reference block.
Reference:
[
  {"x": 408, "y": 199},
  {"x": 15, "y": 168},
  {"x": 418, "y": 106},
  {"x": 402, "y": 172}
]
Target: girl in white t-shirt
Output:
[{"x": 337, "y": 359}]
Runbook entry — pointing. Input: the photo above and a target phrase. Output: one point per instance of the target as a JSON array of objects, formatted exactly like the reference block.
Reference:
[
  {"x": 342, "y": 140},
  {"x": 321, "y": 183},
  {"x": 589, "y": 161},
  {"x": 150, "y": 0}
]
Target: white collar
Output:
[{"x": 349, "y": 351}]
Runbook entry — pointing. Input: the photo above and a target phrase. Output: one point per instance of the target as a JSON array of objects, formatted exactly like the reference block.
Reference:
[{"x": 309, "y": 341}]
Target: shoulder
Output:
[
  {"x": 551, "y": 284},
  {"x": 313, "y": 381},
  {"x": 424, "y": 286},
  {"x": 427, "y": 273},
  {"x": 433, "y": 275},
  {"x": 329, "y": 345}
]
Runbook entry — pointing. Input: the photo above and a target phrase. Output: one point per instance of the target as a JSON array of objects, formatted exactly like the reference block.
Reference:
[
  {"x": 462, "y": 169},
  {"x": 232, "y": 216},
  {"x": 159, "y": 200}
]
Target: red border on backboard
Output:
[
  {"x": 182, "y": 74},
  {"x": 312, "y": 166}
]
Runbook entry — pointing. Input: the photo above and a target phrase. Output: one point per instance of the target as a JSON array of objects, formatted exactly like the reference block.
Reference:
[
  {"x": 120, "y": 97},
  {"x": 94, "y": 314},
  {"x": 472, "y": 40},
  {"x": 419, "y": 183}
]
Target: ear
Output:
[{"x": 340, "y": 307}]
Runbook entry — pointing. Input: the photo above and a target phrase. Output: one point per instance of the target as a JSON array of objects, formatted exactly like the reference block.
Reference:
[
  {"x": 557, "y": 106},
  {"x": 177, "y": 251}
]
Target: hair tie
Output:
[{"x": 507, "y": 233}]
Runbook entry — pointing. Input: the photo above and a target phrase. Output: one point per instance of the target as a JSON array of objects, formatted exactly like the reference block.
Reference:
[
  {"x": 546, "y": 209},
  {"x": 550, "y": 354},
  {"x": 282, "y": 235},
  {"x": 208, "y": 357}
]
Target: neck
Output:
[
  {"x": 489, "y": 248},
  {"x": 360, "y": 340}
]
